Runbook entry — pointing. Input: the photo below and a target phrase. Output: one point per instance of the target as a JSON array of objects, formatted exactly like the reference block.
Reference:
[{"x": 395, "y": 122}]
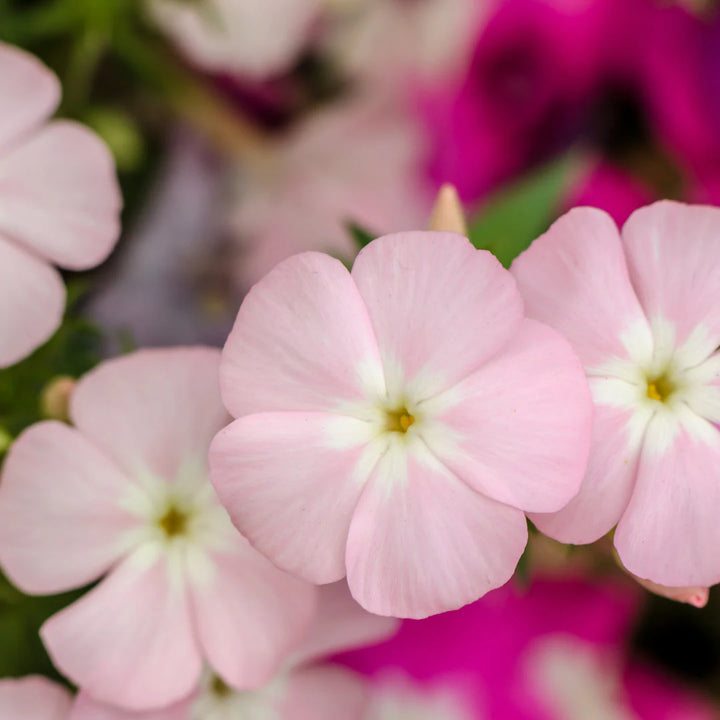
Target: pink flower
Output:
[
  {"x": 303, "y": 689},
  {"x": 33, "y": 698},
  {"x": 250, "y": 38},
  {"x": 394, "y": 423},
  {"x": 125, "y": 495},
  {"x": 641, "y": 309},
  {"x": 357, "y": 161},
  {"x": 59, "y": 203}
]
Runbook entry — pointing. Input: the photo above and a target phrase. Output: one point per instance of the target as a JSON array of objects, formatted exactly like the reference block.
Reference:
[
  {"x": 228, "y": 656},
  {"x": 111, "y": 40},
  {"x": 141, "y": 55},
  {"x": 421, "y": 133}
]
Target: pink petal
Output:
[
  {"x": 290, "y": 482},
  {"x": 251, "y": 616},
  {"x": 153, "y": 409},
  {"x": 87, "y": 708},
  {"x": 341, "y": 624},
  {"x": 607, "y": 486},
  {"x": 669, "y": 532},
  {"x": 29, "y": 93},
  {"x": 674, "y": 260},
  {"x": 60, "y": 526},
  {"x": 522, "y": 423},
  {"x": 32, "y": 300},
  {"x": 130, "y": 640},
  {"x": 324, "y": 693},
  {"x": 422, "y": 542},
  {"x": 302, "y": 341},
  {"x": 60, "y": 195},
  {"x": 34, "y": 697},
  {"x": 574, "y": 278},
  {"x": 439, "y": 307}
]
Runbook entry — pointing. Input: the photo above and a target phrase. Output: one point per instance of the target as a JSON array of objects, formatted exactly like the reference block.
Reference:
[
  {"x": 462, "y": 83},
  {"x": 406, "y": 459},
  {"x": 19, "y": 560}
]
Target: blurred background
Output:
[{"x": 248, "y": 130}]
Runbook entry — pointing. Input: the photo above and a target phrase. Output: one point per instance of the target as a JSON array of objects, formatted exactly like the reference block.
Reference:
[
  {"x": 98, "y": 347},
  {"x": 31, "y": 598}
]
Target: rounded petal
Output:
[
  {"x": 670, "y": 531},
  {"x": 32, "y": 300},
  {"x": 341, "y": 624},
  {"x": 302, "y": 341},
  {"x": 60, "y": 525},
  {"x": 422, "y": 542},
  {"x": 152, "y": 409},
  {"x": 440, "y": 308},
  {"x": 521, "y": 423},
  {"x": 290, "y": 482},
  {"x": 33, "y": 697},
  {"x": 250, "y": 616},
  {"x": 60, "y": 195},
  {"x": 575, "y": 279},
  {"x": 324, "y": 693},
  {"x": 674, "y": 260},
  {"x": 87, "y": 708},
  {"x": 607, "y": 485},
  {"x": 130, "y": 640},
  {"x": 29, "y": 93}
]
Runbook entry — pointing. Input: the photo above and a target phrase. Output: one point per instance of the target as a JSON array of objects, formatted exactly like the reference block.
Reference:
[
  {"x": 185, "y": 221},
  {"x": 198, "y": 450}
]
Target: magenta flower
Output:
[
  {"x": 394, "y": 423},
  {"x": 641, "y": 308},
  {"x": 59, "y": 203},
  {"x": 33, "y": 698},
  {"x": 303, "y": 689},
  {"x": 125, "y": 495}
]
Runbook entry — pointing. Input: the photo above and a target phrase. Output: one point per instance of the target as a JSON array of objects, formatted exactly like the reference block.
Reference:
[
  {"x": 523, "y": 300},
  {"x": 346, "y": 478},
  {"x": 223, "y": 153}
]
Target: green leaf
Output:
[
  {"x": 362, "y": 236},
  {"x": 511, "y": 219}
]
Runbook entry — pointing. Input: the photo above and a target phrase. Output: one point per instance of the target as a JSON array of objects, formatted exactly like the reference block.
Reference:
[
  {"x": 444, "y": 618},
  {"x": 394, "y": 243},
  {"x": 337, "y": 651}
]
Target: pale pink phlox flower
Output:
[
  {"x": 642, "y": 310},
  {"x": 305, "y": 688},
  {"x": 33, "y": 698},
  {"x": 394, "y": 423},
  {"x": 59, "y": 203},
  {"x": 124, "y": 496}
]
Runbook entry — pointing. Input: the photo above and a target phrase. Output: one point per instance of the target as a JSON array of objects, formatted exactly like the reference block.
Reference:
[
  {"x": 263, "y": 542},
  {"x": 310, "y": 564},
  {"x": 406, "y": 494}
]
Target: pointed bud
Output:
[
  {"x": 55, "y": 398},
  {"x": 448, "y": 215}
]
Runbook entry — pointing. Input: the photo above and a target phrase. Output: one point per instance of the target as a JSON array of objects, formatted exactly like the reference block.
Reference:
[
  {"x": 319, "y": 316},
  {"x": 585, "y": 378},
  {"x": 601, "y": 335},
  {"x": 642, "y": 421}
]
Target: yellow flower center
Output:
[
  {"x": 399, "y": 420},
  {"x": 174, "y": 522},
  {"x": 660, "y": 388}
]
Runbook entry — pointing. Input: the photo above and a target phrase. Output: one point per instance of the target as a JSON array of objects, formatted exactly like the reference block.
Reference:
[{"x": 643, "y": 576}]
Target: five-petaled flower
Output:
[
  {"x": 394, "y": 423},
  {"x": 642, "y": 310},
  {"x": 125, "y": 494}
]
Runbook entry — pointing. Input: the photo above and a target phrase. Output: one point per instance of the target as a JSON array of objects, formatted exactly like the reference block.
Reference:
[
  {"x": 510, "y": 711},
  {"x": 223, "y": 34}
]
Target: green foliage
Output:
[
  {"x": 362, "y": 236},
  {"x": 512, "y": 218}
]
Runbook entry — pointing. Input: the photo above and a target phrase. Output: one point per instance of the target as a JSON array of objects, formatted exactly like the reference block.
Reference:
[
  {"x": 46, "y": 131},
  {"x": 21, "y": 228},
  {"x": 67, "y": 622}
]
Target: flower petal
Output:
[
  {"x": 439, "y": 307},
  {"x": 60, "y": 195},
  {"x": 29, "y": 93},
  {"x": 153, "y": 409},
  {"x": 130, "y": 640},
  {"x": 33, "y": 697},
  {"x": 521, "y": 423},
  {"x": 302, "y": 341},
  {"x": 60, "y": 526},
  {"x": 575, "y": 279},
  {"x": 87, "y": 708},
  {"x": 290, "y": 482},
  {"x": 250, "y": 615},
  {"x": 324, "y": 693},
  {"x": 32, "y": 300},
  {"x": 669, "y": 531},
  {"x": 341, "y": 624},
  {"x": 674, "y": 261},
  {"x": 422, "y": 542},
  {"x": 607, "y": 485}
]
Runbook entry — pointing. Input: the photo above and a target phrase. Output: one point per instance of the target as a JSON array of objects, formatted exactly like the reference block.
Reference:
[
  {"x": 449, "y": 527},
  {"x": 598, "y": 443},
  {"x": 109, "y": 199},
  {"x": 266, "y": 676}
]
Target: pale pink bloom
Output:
[
  {"x": 394, "y": 423},
  {"x": 59, "y": 203},
  {"x": 125, "y": 495},
  {"x": 642, "y": 310},
  {"x": 696, "y": 596},
  {"x": 301, "y": 690},
  {"x": 33, "y": 698},
  {"x": 357, "y": 161},
  {"x": 389, "y": 43},
  {"x": 249, "y": 38}
]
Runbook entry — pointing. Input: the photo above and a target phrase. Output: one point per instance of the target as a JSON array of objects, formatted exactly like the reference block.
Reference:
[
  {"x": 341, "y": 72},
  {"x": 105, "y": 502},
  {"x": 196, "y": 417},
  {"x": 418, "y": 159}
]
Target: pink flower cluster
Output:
[{"x": 392, "y": 425}]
